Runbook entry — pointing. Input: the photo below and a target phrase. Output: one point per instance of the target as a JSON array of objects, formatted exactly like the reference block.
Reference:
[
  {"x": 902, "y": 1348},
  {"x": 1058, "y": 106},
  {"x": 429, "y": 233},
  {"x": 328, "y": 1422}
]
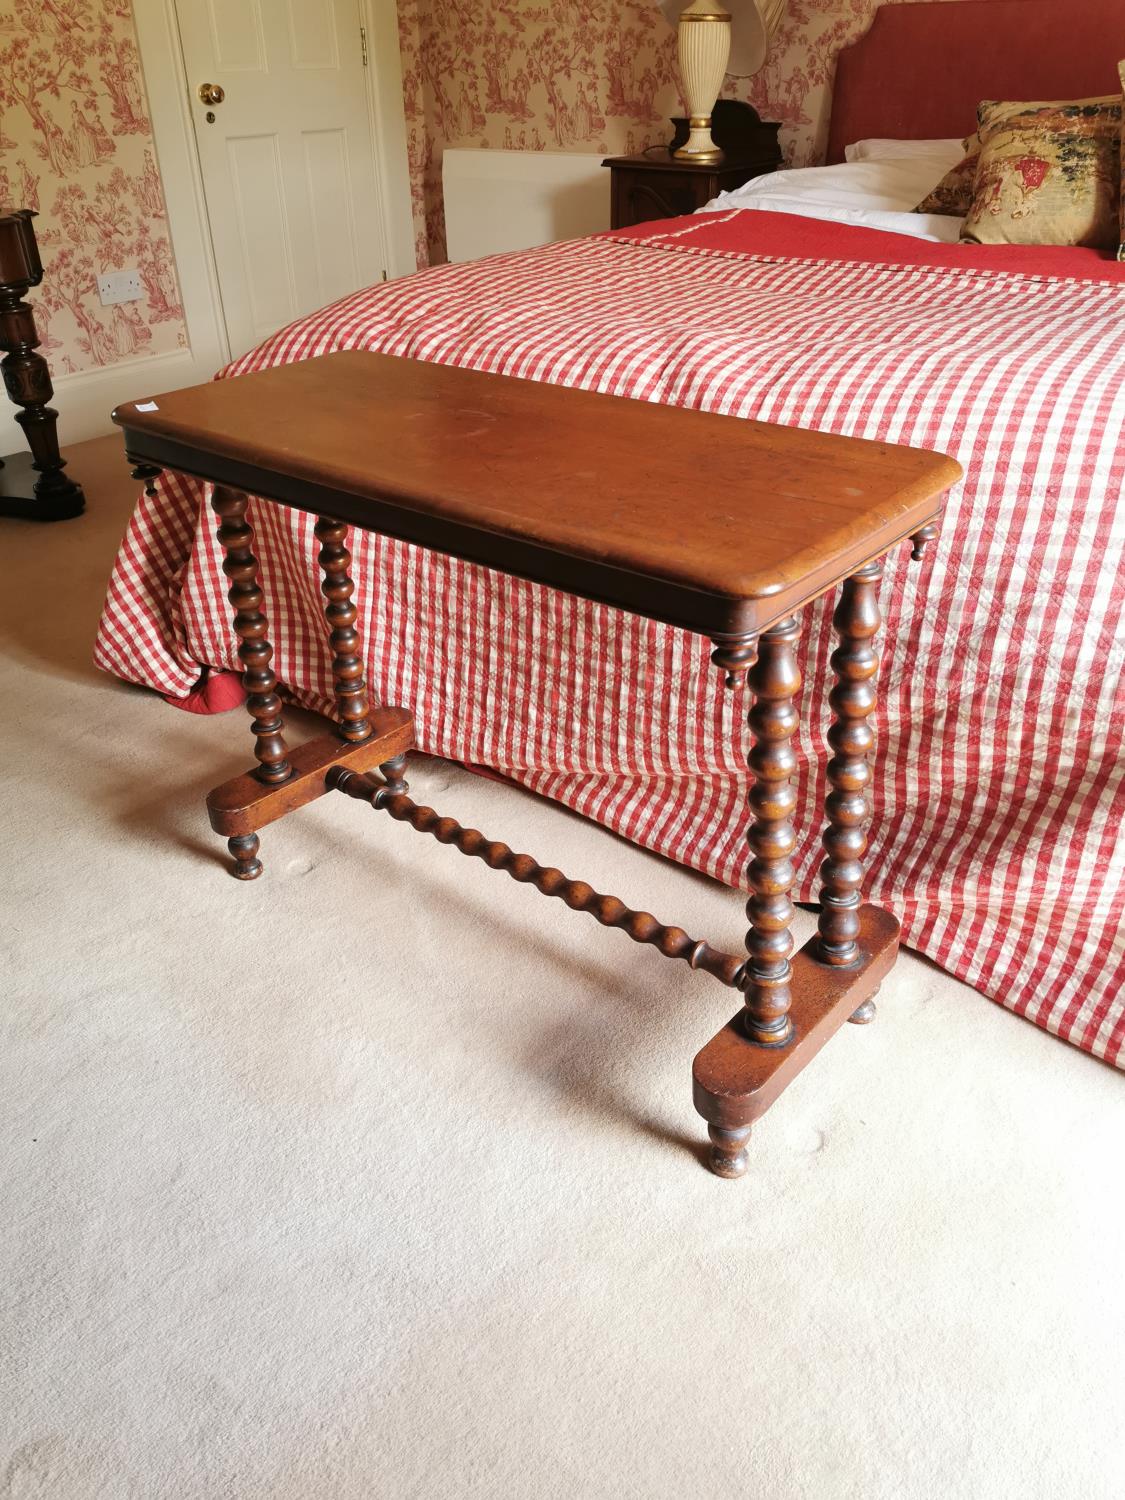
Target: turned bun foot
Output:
[
  {"x": 728, "y": 1156},
  {"x": 247, "y": 865},
  {"x": 865, "y": 1013}
]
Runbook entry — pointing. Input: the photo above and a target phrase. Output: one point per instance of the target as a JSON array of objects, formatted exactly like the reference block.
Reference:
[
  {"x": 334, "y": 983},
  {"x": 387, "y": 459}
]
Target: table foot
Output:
[
  {"x": 247, "y": 865},
  {"x": 864, "y": 1014},
  {"x": 736, "y": 1080},
  {"x": 728, "y": 1157}
]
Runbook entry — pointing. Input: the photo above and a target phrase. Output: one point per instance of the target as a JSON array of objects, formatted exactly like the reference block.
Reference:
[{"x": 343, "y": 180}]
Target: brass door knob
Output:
[{"x": 212, "y": 93}]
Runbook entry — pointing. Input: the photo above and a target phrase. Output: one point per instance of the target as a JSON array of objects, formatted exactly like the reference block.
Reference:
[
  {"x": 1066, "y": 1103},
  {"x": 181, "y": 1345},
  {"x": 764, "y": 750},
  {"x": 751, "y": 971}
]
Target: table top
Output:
[
  {"x": 715, "y": 523},
  {"x": 661, "y": 159}
]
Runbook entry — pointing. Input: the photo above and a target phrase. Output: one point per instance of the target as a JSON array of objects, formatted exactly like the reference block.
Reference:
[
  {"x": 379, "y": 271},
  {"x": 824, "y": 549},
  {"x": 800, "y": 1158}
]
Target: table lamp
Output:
[{"x": 713, "y": 41}]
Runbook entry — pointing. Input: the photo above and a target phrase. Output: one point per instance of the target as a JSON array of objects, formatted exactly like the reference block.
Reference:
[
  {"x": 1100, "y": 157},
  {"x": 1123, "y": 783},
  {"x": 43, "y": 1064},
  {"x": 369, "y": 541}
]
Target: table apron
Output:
[{"x": 666, "y": 601}]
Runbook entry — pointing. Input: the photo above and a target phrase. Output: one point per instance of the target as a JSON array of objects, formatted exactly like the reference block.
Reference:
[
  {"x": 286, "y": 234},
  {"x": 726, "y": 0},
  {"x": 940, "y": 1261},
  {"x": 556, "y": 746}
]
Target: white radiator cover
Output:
[{"x": 511, "y": 200}]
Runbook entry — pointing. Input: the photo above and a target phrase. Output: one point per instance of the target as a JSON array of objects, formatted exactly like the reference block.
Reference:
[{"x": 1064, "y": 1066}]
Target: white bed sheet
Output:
[{"x": 876, "y": 194}]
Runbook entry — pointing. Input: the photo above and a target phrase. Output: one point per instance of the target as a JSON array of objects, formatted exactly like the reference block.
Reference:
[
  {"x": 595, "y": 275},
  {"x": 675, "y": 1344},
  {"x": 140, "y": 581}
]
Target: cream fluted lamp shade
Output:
[{"x": 717, "y": 37}]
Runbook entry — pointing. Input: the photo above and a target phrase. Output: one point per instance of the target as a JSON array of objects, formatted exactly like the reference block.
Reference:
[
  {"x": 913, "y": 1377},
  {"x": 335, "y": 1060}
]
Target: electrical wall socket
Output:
[{"x": 120, "y": 286}]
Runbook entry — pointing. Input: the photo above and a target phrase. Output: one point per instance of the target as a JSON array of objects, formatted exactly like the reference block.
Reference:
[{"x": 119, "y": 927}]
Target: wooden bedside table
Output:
[{"x": 655, "y": 185}]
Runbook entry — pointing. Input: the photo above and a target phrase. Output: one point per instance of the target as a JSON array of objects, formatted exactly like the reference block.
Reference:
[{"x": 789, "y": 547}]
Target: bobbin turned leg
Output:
[
  {"x": 254, "y": 651},
  {"x": 362, "y": 739},
  {"x": 792, "y": 1008},
  {"x": 774, "y": 680},
  {"x": 764, "y": 1026},
  {"x": 348, "y": 680},
  {"x": 347, "y": 662},
  {"x": 855, "y": 663}
]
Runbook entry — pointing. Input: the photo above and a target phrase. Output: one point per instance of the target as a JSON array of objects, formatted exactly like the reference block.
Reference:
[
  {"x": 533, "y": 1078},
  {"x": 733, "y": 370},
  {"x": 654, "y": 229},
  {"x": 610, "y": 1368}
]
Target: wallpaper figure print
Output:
[
  {"x": 589, "y": 75},
  {"x": 76, "y": 146},
  {"x": 529, "y": 75}
]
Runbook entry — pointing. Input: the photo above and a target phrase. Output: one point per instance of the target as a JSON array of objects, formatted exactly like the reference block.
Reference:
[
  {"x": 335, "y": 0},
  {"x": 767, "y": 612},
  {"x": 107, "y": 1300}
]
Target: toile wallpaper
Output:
[
  {"x": 76, "y": 145},
  {"x": 539, "y": 75},
  {"x": 587, "y": 75}
]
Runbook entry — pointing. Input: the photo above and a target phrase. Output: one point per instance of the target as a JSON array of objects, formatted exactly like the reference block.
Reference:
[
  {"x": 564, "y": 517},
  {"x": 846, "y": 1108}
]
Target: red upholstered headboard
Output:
[{"x": 921, "y": 70}]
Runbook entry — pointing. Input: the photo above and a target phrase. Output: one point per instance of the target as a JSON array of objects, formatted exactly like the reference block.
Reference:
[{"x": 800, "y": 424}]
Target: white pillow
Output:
[
  {"x": 887, "y": 150},
  {"x": 894, "y": 185},
  {"x": 876, "y": 194}
]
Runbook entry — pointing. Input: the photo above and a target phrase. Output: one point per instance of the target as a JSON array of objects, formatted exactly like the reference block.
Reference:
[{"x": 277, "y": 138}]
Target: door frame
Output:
[{"x": 167, "y": 84}]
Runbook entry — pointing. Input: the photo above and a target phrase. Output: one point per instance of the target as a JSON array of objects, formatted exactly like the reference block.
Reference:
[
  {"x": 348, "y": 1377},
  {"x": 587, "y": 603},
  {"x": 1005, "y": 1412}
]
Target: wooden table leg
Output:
[
  {"x": 774, "y": 680},
  {"x": 256, "y": 653},
  {"x": 792, "y": 1008},
  {"x": 348, "y": 680},
  {"x": 244, "y": 848},
  {"x": 855, "y": 663},
  {"x": 285, "y": 780}
]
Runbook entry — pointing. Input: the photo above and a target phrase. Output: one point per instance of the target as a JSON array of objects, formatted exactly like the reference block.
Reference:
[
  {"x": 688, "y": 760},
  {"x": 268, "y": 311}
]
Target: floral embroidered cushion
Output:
[
  {"x": 1049, "y": 174},
  {"x": 953, "y": 195}
]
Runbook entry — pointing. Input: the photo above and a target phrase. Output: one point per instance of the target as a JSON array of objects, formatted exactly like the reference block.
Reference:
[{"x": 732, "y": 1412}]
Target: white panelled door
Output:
[{"x": 287, "y": 155}]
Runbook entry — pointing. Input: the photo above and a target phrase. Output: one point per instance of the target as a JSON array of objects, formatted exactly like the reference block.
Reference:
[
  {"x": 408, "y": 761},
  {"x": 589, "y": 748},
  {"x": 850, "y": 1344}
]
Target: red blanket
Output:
[
  {"x": 999, "y": 782},
  {"x": 785, "y": 236}
]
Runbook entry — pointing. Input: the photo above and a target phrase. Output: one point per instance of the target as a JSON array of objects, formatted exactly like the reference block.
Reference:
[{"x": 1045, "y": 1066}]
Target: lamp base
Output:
[
  {"x": 737, "y": 130},
  {"x": 31, "y": 496},
  {"x": 699, "y": 147}
]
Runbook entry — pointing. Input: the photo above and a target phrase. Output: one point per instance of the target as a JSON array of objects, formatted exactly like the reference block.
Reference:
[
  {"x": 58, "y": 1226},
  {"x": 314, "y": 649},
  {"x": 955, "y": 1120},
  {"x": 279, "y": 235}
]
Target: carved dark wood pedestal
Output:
[
  {"x": 32, "y": 486},
  {"x": 513, "y": 474}
]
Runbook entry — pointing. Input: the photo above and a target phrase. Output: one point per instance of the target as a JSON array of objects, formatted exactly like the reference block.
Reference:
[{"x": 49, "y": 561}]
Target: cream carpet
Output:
[{"x": 380, "y": 1178}]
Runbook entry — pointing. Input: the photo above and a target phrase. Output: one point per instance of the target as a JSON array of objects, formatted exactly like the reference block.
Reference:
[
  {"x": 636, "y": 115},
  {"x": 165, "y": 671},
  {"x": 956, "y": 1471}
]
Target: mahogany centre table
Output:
[{"x": 719, "y": 525}]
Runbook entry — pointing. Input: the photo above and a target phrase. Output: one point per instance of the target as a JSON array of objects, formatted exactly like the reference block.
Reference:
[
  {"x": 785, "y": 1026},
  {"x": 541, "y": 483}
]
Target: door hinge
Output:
[{"x": 363, "y": 43}]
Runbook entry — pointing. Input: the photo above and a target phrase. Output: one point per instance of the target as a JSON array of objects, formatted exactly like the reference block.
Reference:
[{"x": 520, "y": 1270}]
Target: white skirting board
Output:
[{"x": 511, "y": 200}]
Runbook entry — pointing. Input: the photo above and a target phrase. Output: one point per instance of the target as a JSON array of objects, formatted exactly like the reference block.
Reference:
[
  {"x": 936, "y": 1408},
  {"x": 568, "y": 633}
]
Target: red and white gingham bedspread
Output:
[{"x": 999, "y": 828}]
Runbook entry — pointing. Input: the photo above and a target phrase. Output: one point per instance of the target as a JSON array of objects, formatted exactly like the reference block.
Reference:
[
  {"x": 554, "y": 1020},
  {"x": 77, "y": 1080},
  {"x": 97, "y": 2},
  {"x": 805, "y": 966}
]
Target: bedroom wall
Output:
[
  {"x": 578, "y": 75},
  {"x": 76, "y": 145}
]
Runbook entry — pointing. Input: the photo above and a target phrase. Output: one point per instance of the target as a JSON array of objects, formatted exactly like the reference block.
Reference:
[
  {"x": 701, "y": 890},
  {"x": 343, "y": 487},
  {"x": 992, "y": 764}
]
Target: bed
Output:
[{"x": 999, "y": 779}]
